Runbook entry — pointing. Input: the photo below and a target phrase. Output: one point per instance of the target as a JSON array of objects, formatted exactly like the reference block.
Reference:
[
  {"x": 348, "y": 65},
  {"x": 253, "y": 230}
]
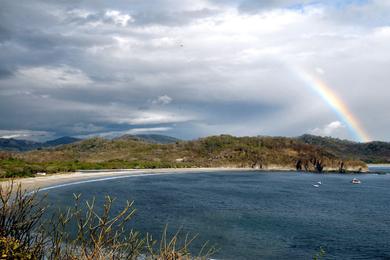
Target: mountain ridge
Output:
[
  {"x": 20, "y": 145},
  {"x": 150, "y": 138}
]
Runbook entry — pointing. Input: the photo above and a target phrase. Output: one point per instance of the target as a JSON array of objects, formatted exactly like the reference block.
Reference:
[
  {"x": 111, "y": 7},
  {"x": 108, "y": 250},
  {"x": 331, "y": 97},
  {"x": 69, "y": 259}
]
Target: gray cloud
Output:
[
  {"x": 5, "y": 73},
  {"x": 263, "y": 5},
  {"x": 191, "y": 68}
]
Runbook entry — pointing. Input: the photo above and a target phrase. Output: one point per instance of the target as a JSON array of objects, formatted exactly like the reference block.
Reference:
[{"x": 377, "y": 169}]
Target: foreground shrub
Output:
[
  {"x": 10, "y": 248},
  {"x": 171, "y": 248},
  {"x": 20, "y": 220},
  {"x": 97, "y": 235},
  {"x": 83, "y": 231}
]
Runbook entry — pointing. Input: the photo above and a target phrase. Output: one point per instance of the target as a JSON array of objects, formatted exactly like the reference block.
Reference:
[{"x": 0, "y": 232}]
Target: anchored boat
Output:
[{"x": 356, "y": 181}]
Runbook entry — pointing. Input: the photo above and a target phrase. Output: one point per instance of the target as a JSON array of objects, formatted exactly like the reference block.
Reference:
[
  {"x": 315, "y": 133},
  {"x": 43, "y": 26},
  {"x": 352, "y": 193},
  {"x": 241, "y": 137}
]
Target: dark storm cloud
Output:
[
  {"x": 5, "y": 73},
  {"x": 4, "y": 34},
  {"x": 186, "y": 68}
]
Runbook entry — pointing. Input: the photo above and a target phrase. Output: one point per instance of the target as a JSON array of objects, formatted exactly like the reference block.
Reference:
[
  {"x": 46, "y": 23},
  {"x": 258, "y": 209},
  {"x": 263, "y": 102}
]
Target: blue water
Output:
[
  {"x": 257, "y": 215},
  {"x": 379, "y": 168}
]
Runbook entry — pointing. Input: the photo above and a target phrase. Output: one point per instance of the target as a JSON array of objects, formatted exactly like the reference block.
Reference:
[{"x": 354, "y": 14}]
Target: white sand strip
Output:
[{"x": 66, "y": 179}]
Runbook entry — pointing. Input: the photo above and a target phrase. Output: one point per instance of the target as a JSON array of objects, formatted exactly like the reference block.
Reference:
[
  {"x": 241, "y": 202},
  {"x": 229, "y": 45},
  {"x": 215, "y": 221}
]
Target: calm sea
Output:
[{"x": 257, "y": 215}]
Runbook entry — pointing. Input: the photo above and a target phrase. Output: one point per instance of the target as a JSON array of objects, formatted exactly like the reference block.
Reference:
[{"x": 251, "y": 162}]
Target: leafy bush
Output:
[
  {"x": 20, "y": 216},
  {"x": 10, "y": 248}
]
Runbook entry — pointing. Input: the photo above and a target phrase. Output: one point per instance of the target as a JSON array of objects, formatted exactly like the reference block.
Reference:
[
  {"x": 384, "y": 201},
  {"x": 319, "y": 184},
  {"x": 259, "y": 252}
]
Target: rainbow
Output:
[{"x": 331, "y": 98}]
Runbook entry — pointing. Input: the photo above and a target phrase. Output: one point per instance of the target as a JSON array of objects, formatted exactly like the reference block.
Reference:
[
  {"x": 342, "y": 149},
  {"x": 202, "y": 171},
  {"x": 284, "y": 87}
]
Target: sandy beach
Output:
[
  {"x": 65, "y": 179},
  {"x": 52, "y": 181}
]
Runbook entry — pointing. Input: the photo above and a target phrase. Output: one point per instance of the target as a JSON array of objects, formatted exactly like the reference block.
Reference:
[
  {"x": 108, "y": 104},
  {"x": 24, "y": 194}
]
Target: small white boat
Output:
[
  {"x": 319, "y": 182},
  {"x": 356, "y": 181},
  {"x": 316, "y": 185}
]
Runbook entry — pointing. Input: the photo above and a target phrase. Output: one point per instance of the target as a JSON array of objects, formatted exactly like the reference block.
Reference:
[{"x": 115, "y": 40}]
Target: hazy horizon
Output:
[{"x": 110, "y": 136}]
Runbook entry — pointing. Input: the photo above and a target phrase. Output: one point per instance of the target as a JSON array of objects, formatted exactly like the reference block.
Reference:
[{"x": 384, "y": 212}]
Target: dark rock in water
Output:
[
  {"x": 299, "y": 165},
  {"x": 341, "y": 168},
  {"x": 257, "y": 165},
  {"x": 318, "y": 164}
]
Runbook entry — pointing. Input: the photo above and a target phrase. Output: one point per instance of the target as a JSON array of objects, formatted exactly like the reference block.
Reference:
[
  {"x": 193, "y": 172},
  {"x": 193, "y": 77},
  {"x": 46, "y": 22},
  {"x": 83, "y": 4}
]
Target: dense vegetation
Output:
[
  {"x": 214, "y": 151},
  {"x": 372, "y": 152}
]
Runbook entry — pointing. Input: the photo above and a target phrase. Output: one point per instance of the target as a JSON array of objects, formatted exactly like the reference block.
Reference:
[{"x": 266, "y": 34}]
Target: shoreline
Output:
[
  {"x": 378, "y": 165},
  {"x": 66, "y": 179},
  {"x": 84, "y": 176}
]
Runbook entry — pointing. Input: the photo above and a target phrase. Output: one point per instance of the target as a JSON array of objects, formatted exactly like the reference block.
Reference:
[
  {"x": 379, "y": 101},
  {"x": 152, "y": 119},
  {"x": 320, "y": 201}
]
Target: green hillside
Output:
[
  {"x": 214, "y": 151},
  {"x": 372, "y": 152}
]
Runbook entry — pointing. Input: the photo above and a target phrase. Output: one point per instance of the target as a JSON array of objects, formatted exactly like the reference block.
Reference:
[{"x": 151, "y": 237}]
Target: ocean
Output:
[{"x": 257, "y": 215}]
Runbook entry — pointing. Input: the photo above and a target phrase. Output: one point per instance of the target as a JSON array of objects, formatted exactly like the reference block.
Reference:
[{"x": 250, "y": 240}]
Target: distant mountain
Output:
[
  {"x": 158, "y": 139},
  {"x": 150, "y": 138},
  {"x": 372, "y": 152},
  {"x": 17, "y": 145},
  {"x": 10, "y": 144},
  {"x": 61, "y": 141}
]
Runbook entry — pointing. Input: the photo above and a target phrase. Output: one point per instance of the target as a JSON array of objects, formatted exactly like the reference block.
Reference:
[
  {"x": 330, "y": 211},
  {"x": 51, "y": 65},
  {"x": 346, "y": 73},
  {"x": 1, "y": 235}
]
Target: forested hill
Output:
[
  {"x": 372, "y": 152},
  {"x": 269, "y": 153}
]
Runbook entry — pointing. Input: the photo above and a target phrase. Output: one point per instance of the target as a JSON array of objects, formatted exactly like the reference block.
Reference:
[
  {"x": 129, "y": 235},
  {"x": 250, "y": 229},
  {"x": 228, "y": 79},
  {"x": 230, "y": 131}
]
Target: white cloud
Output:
[
  {"x": 328, "y": 130},
  {"x": 320, "y": 71},
  {"x": 78, "y": 13},
  {"x": 148, "y": 130},
  {"x": 118, "y": 17},
  {"x": 25, "y": 134},
  {"x": 145, "y": 118},
  {"x": 162, "y": 100}
]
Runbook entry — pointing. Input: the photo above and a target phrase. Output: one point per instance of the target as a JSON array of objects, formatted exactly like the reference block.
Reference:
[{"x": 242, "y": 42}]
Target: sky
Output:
[{"x": 190, "y": 68}]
